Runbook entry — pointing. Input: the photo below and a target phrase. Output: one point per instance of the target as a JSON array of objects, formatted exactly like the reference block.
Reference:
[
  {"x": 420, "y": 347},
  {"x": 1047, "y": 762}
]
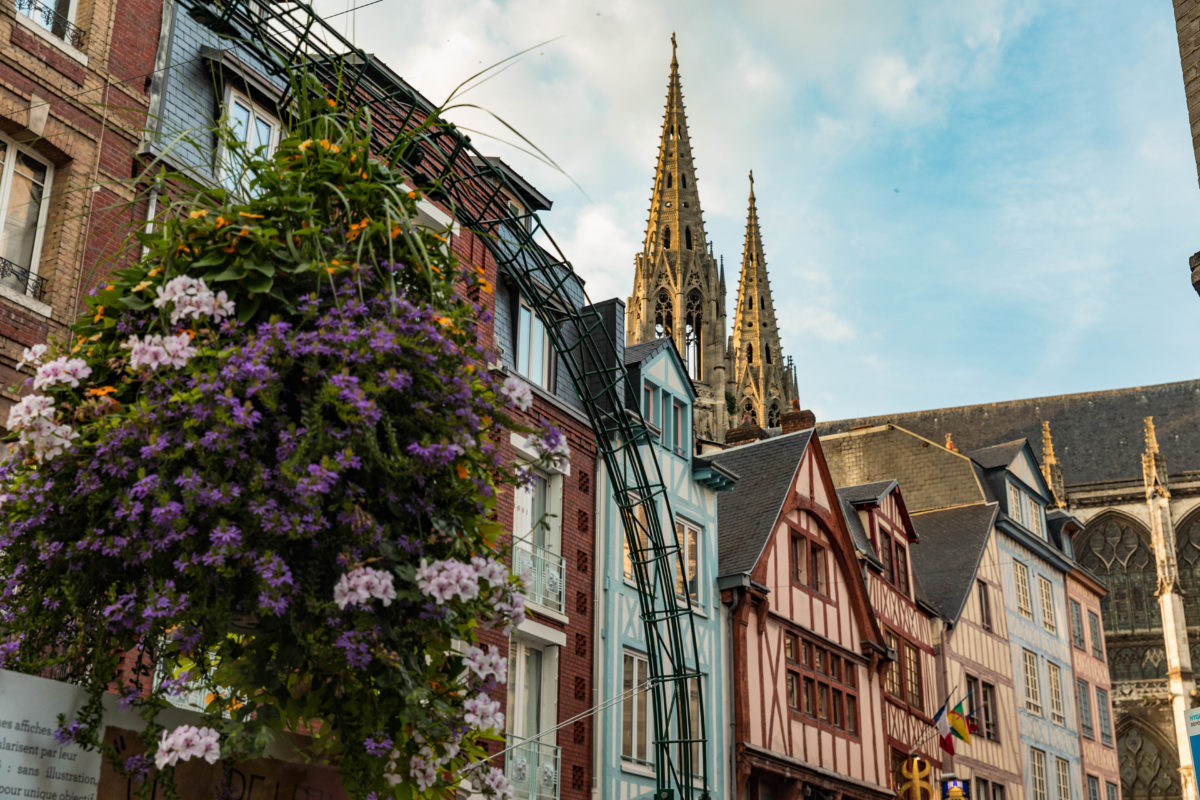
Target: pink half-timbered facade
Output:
[
  {"x": 884, "y": 536},
  {"x": 807, "y": 652}
]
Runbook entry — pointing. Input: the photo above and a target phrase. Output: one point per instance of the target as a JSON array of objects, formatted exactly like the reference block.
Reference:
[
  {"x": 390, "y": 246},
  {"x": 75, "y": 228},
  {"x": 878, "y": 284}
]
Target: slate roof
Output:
[
  {"x": 746, "y": 516},
  {"x": 864, "y": 492},
  {"x": 952, "y": 542},
  {"x": 998, "y": 455},
  {"x": 637, "y": 353},
  {"x": 1097, "y": 435},
  {"x": 858, "y": 534}
]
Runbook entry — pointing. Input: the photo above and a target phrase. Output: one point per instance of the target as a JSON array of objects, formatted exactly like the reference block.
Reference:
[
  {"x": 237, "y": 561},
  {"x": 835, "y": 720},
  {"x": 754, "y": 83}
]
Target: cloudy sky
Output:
[{"x": 961, "y": 200}]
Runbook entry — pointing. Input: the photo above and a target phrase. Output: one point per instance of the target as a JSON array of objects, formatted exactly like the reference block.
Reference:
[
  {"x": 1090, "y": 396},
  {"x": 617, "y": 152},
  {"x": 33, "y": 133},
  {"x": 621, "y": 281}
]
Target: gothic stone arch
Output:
[
  {"x": 1149, "y": 766},
  {"x": 1116, "y": 547}
]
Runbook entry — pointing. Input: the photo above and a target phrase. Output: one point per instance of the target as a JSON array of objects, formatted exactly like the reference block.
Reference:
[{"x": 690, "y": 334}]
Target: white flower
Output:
[
  {"x": 61, "y": 370},
  {"x": 361, "y": 584},
  {"x": 484, "y": 713},
  {"x": 517, "y": 393},
  {"x": 32, "y": 356},
  {"x": 159, "y": 351},
  {"x": 31, "y": 407},
  {"x": 487, "y": 663},
  {"x": 191, "y": 297},
  {"x": 187, "y": 742}
]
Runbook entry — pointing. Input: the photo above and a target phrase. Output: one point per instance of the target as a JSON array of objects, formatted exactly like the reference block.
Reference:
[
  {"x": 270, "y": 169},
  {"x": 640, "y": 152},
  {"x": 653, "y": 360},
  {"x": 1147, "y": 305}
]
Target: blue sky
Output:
[{"x": 961, "y": 200}]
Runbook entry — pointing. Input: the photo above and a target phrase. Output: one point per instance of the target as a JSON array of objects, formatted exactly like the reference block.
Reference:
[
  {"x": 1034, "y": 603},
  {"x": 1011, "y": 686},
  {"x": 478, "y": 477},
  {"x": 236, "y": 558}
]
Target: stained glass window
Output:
[{"x": 1118, "y": 551}]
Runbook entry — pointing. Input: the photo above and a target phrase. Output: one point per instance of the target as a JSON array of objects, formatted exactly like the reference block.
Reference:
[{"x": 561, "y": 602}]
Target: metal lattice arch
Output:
[{"x": 288, "y": 37}]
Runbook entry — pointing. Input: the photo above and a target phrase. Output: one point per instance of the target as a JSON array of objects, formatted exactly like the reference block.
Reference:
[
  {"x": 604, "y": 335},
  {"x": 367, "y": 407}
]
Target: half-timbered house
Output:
[
  {"x": 658, "y": 388},
  {"x": 884, "y": 537},
  {"x": 806, "y": 650}
]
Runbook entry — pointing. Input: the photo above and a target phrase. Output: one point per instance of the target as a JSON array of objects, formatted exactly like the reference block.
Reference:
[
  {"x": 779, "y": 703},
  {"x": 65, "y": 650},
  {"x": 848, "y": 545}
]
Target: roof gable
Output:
[{"x": 953, "y": 541}]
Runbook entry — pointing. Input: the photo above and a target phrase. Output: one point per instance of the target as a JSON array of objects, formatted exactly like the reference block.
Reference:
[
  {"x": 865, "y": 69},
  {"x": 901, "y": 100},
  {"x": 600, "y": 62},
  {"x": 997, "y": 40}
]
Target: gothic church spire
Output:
[{"x": 764, "y": 386}]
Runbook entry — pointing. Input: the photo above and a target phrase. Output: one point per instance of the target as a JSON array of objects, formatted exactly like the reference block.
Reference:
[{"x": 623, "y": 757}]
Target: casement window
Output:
[
  {"x": 1037, "y": 773},
  {"x": 535, "y": 355},
  {"x": 809, "y": 567},
  {"x": 636, "y": 730},
  {"x": 1046, "y": 590},
  {"x": 903, "y": 679},
  {"x": 997, "y": 791},
  {"x": 1076, "y": 624},
  {"x": 1014, "y": 502},
  {"x": 56, "y": 16},
  {"x": 894, "y": 558},
  {"x": 1057, "y": 714},
  {"x": 1085, "y": 708},
  {"x": 696, "y": 726},
  {"x": 817, "y": 569},
  {"x": 799, "y": 559},
  {"x": 1033, "y": 689},
  {"x": 1062, "y": 770},
  {"x": 1033, "y": 517},
  {"x": 688, "y": 572},
  {"x": 1094, "y": 630},
  {"x": 902, "y": 569},
  {"x": 1024, "y": 598},
  {"x": 1110, "y": 791},
  {"x": 1093, "y": 784},
  {"x": 533, "y": 689},
  {"x": 982, "y": 790},
  {"x": 24, "y": 199},
  {"x": 639, "y": 514},
  {"x": 256, "y": 129},
  {"x": 1104, "y": 717},
  {"x": 991, "y": 718},
  {"x": 821, "y": 683},
  {"x": 885, "y": 556},
  {"x": 985, "y": 605},
  {"x": 912, "y": 675},
  {"x": 893, "y": 682},
  {"x": 537, "y": 539},
  {"x": 678, "y": 421}
]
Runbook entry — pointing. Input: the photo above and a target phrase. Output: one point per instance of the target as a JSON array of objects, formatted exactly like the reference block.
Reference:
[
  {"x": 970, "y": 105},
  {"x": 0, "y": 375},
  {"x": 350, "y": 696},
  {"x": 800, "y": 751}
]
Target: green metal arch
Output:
[{"x": 289, "y": 36}]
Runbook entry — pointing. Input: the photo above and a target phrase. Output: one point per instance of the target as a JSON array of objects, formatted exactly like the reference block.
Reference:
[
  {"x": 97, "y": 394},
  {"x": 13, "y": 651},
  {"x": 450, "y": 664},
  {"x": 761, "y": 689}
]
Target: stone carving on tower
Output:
[
  {"x": 678, "y": 289},
  {"x": 762, "y": 383}
]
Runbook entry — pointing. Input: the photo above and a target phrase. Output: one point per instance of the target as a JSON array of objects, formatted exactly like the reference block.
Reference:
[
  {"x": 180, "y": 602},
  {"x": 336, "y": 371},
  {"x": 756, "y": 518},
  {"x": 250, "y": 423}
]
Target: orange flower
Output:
[
  {"x": 99, "y": 314},
  {"x": 191, "y": 333},
  {"x": 462, "y": 471},
  {"x": 197, "y": 214},
  {"x": 221, "y": 222},
  {"x": 397, "y": 230},
  {"x": 229, "y": 248},
  {"x": 486, "y": 285},
  {"x": 248, "y": 215},
  {"x": 245, "y": 231},
  {"x": 307, "y": 143},
  {"x": 142, "y": 285},
  {"x": 153, "y": 272},
  {"x": 331, "y": 103},
  {"x": 331, "y": 270},
  {"x": 101, "y": 391},
  {"x": 486, "y": 422},
  {"x": 325, "y": 143},
  {"x": 412, "y": 195},
  {"x": 444, "y": 321}
]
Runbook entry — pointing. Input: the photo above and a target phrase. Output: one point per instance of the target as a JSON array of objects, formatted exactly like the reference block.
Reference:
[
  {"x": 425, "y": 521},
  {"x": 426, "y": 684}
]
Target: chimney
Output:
[
  {"x": 748, "y": 431},
  {"x": 797, "y": 420}
]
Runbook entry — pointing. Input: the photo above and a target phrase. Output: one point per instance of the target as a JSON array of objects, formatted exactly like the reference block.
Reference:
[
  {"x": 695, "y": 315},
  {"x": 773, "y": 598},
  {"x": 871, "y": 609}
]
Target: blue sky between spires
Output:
[{"x": 961, "y": 200}]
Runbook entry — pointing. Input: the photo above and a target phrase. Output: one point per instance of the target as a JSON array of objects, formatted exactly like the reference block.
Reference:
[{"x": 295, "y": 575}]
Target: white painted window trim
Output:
[
  {"x": 60, "y": 44},
  {"x": 35, "y": 259},
  {"x": 271, "y": 116}
]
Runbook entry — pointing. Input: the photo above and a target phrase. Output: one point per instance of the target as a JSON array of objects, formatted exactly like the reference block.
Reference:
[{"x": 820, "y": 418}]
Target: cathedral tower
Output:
[
  {"x": 678, "y": 289},
  {"x": 763, "y": 385}
]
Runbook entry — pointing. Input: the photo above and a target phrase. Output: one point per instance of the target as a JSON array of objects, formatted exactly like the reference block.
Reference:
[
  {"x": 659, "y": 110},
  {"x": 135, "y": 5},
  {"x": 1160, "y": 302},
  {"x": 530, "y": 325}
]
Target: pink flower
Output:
[
  {"x": 61, "y": 370},
  {"x": 517, "y": 393},
  {"x": 187, "y": 742}
]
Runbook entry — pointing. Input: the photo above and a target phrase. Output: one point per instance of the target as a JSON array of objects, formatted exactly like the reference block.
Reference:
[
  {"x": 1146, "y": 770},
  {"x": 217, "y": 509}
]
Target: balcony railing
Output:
[
  {"x": 21, "y": 279},
  {"x": 533, "y": 768},
  {"x": 52, "y": 21},
  {"x": 542, "y": 573}
]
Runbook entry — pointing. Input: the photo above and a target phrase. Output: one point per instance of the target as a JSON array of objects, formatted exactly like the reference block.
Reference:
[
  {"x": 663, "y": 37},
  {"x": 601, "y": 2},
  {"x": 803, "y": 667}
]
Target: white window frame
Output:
[
  {"x": 1037, "y": 774},
  {"x": 38, "y": 20},
  {"x": 633, "y": 705},
  {"x": 1062, "y": 769},
  {"x": 682, "y": 528},
  {"x": 1024, "y": 595},
  {"x": 1057, "y": 712},
  {"x": 530, "y": 327},
  {"x": 6, "y": 180},
  {"x": 1033, "y": 686},
  {"x": 522, "y": 519},
  {"x": 1046, "y": 589},
  {"x": 257, "y": 111},
  {"x": 515, "y": 718}
]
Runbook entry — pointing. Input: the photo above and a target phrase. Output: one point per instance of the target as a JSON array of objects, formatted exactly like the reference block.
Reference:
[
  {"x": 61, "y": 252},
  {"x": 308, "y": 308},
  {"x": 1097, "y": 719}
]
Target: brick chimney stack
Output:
[
  {"x": 748, "y": 431},
  {"x": 797, "y": 420}
]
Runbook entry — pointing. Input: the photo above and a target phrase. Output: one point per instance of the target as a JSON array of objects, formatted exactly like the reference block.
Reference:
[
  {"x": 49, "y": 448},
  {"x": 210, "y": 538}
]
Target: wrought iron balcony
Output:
[
  {"x": 533, "y": 768},
  {"x": 542, "y": 573},
  {"x": 22, "y": 280},
  {"x": 52, "y": 21}
]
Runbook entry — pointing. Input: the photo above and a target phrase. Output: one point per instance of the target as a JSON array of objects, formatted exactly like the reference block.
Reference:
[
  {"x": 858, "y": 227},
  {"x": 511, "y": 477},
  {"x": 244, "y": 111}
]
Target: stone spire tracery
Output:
[
  {"x": 762, "y": 382},
  {"x": 678, "y": 291}
]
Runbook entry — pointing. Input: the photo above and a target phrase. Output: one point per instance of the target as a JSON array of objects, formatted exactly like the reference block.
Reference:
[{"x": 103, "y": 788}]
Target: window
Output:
[
  {"x": 687, "y": 237},
  {"x": 693, "y": 341},
  {"x": 800, "y": 559},
  {"x": 639, "y": 516},
  {"x": 1062, "y": 770},
  {"x": 912, "y": 674},
  {"x": 885, "y": 556},
  {"x": 1094, "y": 630},
  {"x": 667, "y": 237},
  {"x": 56, "y": 16},
  {"x": 695, "y": 726},
  {"x": 24, "y": 189},
  {"x": 990, "y": 722},
  {"x": 973, "y": 697},
  {"x": 664, "y": 316},
  {"x": 256, "y": 129},
  {"x": 1103, "y": 715},
  {"x": 535, "y": 356},
  {"x": 1035, "y": 519},
  {"x": 1024, "y": 598},
  {"x": 1076, "y": 624},
  {"x": 821, "y": 683},
  {"x": 997, "y": 791},
  {"x": 533, "y": 694},
  {"x": 985, "y": 605},
  {"x": 1014, "y": 502},
  {"x": 893, "y": 682},
  {"x": 1093, "y": 787},
  {"x": 750, "y": 353},
  {"x": 650, "y": 403},
  {"x": 902, "y": 569},
  {"x": 687, "y": 575},
  {"x": 1110, "y": 790},
  {"x": 819, "y": 579},
  {"x": 677, "y": 422},
  {"x": 1046, "y": 589},
  {"x": 1085, "y": 708},
  {"x": 1033, "y": 690},
  {"x": 981, "y": 790},
  {"x": 1037, "y": 769},
  {"x": 537, "y": 537},
  {"x": 635, "y": 710},
  {"x": 1056, "y": 696}
]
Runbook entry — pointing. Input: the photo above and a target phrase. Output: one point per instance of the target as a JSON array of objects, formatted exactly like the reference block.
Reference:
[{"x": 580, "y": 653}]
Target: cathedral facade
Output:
[{"x": 679, "y": 292}]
